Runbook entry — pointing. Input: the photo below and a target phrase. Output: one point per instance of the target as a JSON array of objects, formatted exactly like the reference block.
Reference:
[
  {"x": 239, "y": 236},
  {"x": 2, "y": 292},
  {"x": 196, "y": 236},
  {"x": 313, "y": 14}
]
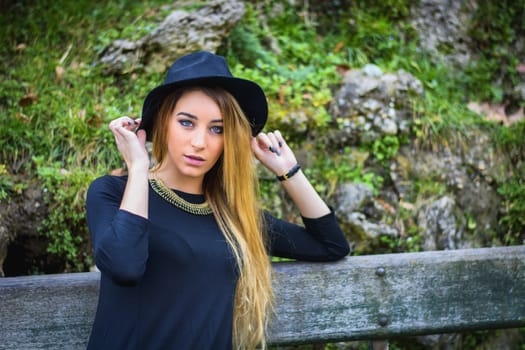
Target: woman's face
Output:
[{"x": 195, "y": 137}]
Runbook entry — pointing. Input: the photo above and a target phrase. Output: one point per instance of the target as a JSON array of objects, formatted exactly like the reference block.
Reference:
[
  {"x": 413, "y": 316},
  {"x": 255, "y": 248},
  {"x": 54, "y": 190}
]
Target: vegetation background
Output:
[{"x": 55, "y": 101}]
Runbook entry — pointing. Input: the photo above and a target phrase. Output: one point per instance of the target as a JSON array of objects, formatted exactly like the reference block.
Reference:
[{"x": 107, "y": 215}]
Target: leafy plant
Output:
[
  {"x": 497, "y": 70},
  {"x": 513, "y": 218},
  {"x": 55, "y": 101},
  {"x": 298, "y": 78},
  {"x": 326, "y": 173},
  {"x": 385, "y": 148},
  {"x": 65, "y": 227}
]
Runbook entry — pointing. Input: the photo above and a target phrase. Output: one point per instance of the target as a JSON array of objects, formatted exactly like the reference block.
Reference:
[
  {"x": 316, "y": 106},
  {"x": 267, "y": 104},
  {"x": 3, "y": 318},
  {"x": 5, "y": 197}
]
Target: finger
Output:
[
  {"x": 273, "y": 139},
  {"x": 267, "y": 142},
  {"x": 274, "y": 147},
  {"x": 120, "y": 138},
  {"x": 120, "y": 121},
  {"x": 280, "y": 139},
  {"x": 260, "y": 149},
  {"x": 130, "y": 124},
  {"x": 141, "y": 135},
  {"x": 124, "y": 121},
  {"x": 271, "y": 136},
  {"x": 263, "y": 141},
  {"x": 256, "y": 148}
]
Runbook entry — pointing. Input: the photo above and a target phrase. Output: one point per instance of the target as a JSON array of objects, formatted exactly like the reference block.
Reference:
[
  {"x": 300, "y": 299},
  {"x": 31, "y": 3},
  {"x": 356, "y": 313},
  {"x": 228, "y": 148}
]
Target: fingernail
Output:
[
  {"x": 280, "y": 144},
  {"x": 273, "y": 150}
]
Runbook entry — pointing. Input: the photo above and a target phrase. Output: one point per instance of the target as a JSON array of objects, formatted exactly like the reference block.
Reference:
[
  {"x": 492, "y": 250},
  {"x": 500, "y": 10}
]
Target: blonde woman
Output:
[{"x": 183, "y": 247}]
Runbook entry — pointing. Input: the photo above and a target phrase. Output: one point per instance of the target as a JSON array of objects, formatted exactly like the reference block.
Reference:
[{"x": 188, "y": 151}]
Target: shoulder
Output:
[
  {"x": 110, "y": 181},
  {"x": 107, "y": 185}
]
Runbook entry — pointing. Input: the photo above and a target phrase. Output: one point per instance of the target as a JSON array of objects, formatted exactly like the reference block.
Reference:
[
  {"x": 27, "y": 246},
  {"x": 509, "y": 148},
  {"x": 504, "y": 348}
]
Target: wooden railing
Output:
[{"x": 359, "y": 298}]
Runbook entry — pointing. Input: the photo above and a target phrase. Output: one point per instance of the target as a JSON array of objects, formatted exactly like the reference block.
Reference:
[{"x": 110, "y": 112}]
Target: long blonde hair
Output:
[{"x": 231, "y": 187}]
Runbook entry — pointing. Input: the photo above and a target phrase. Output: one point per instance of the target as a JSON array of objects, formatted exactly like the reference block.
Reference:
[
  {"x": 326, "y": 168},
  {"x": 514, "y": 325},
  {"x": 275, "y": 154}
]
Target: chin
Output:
[{"x": 194, "y": 173}]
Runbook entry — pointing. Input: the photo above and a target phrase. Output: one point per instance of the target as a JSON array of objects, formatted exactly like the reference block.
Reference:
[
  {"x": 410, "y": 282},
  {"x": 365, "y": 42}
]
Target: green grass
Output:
[
  {"x": 56, "y": 102},
  {"x": 59, "y": 136}
]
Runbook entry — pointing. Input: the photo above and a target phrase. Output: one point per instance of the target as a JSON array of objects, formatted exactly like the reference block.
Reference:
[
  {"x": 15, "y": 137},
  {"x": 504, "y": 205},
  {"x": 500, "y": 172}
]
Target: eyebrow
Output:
[{"x": 192, "y": 116}]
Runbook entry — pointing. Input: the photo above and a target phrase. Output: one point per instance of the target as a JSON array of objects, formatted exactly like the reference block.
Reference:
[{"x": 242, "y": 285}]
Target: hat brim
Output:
[{"x": 249, "y": 96}]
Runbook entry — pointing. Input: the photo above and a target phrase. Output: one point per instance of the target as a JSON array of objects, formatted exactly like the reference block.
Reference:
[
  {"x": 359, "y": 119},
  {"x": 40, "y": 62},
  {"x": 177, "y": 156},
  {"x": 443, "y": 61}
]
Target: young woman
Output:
[{"x": 183, "y": 247}]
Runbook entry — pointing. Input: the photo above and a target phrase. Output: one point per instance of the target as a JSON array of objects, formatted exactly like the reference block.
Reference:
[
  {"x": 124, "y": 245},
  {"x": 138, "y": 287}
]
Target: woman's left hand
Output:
[{"x": 273, "y": 152}]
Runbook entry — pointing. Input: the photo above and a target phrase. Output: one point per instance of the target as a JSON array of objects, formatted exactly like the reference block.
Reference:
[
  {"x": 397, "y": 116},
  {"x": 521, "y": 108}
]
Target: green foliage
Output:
[
  {"x": 510, "y": 140},
  {"x": 495, "y": 26},
  {"x": 62, "y": 103},
  {"x": 400, "y": 244},
  {"x": 385, "y": 148},
  {"x": 66, "y": 227},
  {"x": 56, "y": 104},
  {"x": 376, "y": 31},
  {"x": 5, "y": 182},
  {"x": 297, "y": 78},
  {"x": 327, "y": 172},
  {"x": 430, "y": 187},
  {"x": 55, "y": 101},
  {"x": 513, "y": 219}
]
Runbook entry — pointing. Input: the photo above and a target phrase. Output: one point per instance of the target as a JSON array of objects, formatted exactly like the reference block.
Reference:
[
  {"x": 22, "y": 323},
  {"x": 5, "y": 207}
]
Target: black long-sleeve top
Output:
[{"x": 168, "y": 282}]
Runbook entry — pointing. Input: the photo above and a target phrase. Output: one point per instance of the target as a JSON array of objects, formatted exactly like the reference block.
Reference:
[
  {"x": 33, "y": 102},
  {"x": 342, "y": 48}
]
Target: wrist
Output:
[
  {"x": 293, "y": 170},
  {"x": 138, "y": 171}
]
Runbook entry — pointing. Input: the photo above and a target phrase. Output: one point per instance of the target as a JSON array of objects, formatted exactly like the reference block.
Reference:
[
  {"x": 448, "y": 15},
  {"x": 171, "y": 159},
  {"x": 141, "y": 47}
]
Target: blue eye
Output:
[
  {"x": 186, "y": 122},
  {"x": 217, "y": 129}
]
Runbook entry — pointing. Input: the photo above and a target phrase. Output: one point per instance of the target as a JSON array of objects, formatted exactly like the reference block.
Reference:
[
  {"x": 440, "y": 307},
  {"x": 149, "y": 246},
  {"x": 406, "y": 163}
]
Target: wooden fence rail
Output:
[{"x": 358, "y": 298}]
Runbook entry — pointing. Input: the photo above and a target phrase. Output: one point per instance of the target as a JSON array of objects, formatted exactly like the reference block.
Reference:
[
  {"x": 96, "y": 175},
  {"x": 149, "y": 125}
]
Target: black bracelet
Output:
[{"x": 289, "y": 174}]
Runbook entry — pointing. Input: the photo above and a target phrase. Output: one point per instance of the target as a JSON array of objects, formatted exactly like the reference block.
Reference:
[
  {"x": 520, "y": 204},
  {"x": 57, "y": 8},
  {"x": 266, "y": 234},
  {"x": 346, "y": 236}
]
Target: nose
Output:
[{"x": 199, "y": 138}]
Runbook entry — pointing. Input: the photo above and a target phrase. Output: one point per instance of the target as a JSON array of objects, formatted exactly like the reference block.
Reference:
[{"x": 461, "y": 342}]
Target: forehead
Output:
[{"x": 198, "y": 103}]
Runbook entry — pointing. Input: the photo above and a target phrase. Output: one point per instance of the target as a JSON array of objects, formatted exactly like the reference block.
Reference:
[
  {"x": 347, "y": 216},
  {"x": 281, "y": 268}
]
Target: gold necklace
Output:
[{"x": 177, "y": 201}]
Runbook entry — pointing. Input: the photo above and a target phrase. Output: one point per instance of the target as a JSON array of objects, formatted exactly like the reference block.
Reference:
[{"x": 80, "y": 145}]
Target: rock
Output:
[
  {"x": 372, "y": 70},
  {"x": 5, "y": 238},
  {"x": 466, "y": 173},
  {"x": 442, "y": 30},
  {"x": 371, "y": 104},
  {"x": 371, "y": 230},
  {"x": 121, "y": 56},
  {"x": 441, "y": 224},
  {"x": 359, "y": 210},
  {"x": 353, "y": 197},
  {"x": 20, "y": 241},
  {"x": 180, "y": 33}
]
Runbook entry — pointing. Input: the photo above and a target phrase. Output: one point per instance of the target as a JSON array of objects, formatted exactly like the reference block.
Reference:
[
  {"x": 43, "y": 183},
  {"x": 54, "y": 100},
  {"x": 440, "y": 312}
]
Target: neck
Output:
[{"x": 181, "y": 183}]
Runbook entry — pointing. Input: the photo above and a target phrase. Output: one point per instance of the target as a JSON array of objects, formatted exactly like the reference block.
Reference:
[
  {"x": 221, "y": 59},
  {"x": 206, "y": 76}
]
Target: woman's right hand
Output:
[{"x": 131, "y": 145}]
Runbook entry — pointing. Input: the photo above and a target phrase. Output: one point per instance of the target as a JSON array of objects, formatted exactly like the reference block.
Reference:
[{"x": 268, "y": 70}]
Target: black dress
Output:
[{"x": 168, "y": 282}]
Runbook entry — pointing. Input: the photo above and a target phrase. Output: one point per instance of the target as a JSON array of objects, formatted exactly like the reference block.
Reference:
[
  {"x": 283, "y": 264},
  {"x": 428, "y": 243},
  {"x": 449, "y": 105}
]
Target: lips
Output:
[{"x": 194, "y": 160}]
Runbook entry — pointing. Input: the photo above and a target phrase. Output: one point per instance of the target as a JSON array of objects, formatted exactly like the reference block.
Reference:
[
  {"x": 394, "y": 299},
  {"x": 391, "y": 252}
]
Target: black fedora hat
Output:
[{"x": 206, "y": 69}]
